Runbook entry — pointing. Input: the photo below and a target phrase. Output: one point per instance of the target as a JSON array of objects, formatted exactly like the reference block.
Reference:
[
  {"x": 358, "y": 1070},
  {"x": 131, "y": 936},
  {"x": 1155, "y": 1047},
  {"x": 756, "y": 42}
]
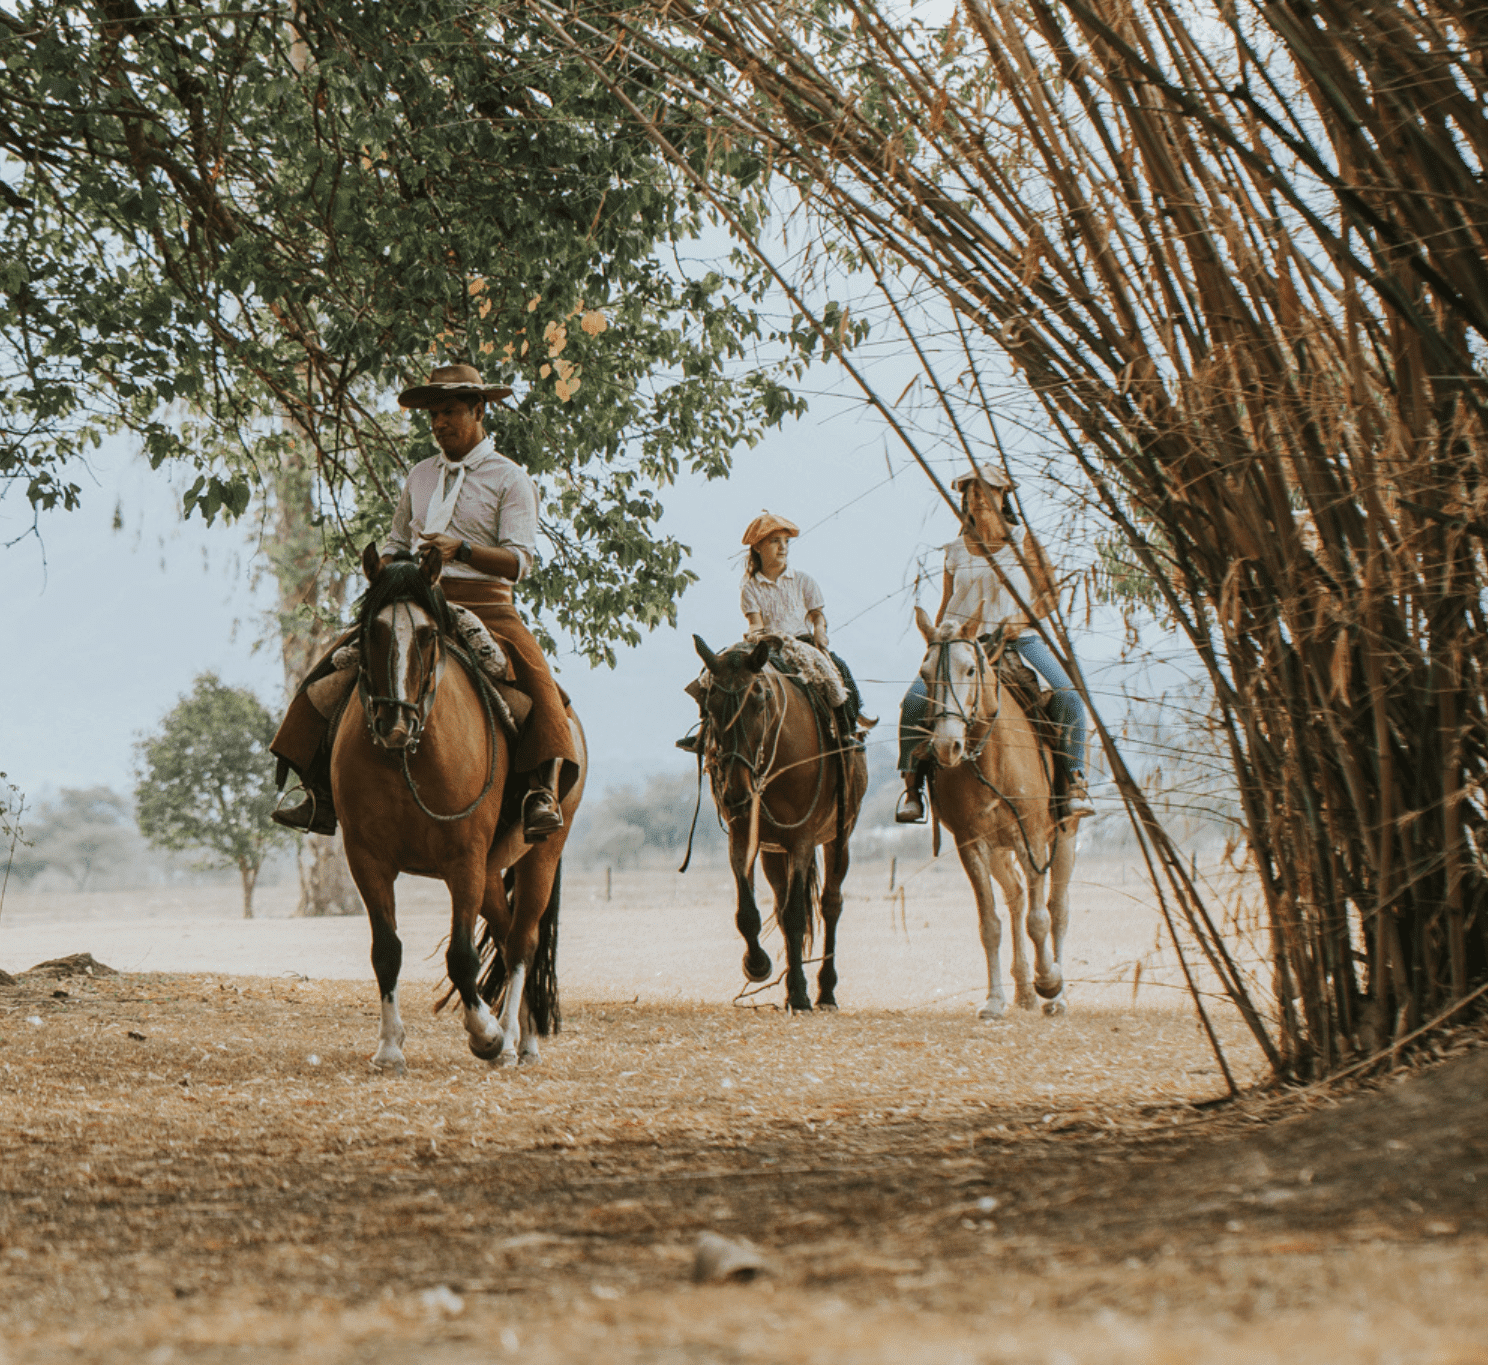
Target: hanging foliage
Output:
[{"x": 1240, "y": 260}]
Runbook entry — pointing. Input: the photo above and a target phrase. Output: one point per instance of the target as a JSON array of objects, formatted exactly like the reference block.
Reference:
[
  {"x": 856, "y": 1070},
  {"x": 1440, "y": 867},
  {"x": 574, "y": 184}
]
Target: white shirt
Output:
[
  {"x": 497, "y": 507},
  {"x": 783, "y": 604},
  {"x": 974, "y": 583}
]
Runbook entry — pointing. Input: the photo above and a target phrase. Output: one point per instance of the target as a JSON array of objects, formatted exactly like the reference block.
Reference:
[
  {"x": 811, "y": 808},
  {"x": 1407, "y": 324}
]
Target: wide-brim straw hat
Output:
[
  {"x": 451, "y": 381},
  {"x": 990, "y": 475},
  {"x": 768, "y": 524}
]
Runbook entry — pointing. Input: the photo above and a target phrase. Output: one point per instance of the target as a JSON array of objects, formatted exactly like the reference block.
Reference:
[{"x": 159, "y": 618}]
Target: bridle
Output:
[
  {"x": 728, "y": 747},
  {"x": 940, "y": 685},
  {"x": 416, "y": 712},
  {"x": 941, "y": 682},
  {"x": 420, "y": 708}
]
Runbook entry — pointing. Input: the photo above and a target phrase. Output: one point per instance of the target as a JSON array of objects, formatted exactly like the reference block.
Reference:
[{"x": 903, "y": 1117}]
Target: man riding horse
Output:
[{"x": 479, "y": 510}]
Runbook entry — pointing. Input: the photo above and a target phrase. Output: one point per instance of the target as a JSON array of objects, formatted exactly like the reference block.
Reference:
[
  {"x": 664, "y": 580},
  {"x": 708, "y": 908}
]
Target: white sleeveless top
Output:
[{"x": 974, "y": 583}]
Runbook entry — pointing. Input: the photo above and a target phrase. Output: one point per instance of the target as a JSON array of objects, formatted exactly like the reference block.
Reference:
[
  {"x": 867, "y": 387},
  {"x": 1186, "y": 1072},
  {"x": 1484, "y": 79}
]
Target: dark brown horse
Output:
[
  {"x": 783, "y": 783},
  {"x": 418, "y": 771}
]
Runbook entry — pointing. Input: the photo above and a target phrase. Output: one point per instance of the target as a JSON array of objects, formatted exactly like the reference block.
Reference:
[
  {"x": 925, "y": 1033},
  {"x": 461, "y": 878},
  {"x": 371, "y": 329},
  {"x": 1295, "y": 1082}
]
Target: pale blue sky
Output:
[{"x": 108, "y": 628}]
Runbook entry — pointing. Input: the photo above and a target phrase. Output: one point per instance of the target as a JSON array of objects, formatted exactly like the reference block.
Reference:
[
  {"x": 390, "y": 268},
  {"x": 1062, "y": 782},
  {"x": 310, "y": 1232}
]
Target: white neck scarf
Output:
[{"x": 446, "y": 491}]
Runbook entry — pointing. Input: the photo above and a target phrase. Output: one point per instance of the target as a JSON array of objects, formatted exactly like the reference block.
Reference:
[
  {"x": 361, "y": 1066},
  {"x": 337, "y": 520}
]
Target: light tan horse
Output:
[{"x": 990, "y": 788}]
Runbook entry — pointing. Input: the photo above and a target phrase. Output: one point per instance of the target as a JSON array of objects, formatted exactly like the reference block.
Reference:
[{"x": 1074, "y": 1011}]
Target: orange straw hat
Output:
[{"x": 768, "y": 524}]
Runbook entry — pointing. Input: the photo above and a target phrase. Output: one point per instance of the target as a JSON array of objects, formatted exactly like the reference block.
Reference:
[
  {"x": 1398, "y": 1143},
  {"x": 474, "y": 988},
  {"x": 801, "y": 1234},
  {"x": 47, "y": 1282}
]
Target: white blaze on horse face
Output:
[
  {"x": 954, "y": 695},
  {"x": 407, "y": 626}
]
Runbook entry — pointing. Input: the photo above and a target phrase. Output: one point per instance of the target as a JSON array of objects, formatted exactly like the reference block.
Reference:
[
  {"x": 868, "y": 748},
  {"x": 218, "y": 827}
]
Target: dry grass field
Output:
[{"x": 196, "y": 1164}]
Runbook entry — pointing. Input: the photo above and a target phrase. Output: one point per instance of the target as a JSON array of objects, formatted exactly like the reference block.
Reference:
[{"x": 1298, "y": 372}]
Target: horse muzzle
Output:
[
  {"x": 395, "y": 726},
  {"x": 948, "y": 745}
]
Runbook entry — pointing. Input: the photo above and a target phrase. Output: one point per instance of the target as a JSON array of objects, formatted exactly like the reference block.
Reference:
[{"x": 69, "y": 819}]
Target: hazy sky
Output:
[{"x": 109, "y": 627}]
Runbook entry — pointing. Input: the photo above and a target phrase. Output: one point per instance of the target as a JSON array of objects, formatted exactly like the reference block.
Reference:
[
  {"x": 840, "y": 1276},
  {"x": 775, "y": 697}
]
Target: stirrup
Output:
[
  {"x": 537, "y": 825},
  {"x": 689, "y": 744},
  {"x": 906, "y": 813},
  {"x": 314, "y": 815}
]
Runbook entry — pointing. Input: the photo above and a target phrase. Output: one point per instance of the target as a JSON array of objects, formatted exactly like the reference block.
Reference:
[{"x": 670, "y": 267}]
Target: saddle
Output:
[{"x": 1027, "y": 688}]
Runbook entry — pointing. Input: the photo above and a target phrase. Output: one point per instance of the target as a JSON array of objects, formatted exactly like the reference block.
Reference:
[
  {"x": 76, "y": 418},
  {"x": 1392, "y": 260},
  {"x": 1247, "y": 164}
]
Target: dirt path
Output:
[{"x": 232, "y": 1185}]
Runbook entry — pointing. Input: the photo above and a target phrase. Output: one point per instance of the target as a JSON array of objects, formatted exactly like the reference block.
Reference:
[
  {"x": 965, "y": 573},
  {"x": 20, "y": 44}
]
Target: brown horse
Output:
[
  {"x": 418, "y": 771},
  {"x": 783, "y": 783},
  {"x": 991, "y": 789}
]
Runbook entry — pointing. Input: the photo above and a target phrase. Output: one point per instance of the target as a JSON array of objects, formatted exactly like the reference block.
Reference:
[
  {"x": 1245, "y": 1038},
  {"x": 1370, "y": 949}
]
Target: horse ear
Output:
[
  {"x": 431, "y": 563},
  {"x": 371, "y": 561},
  {"x": 922, "y": 620},
  {"x": 705, "y": 654},
  {"x": 759, "y": 656},
  {"x": 972, "y": 626}
]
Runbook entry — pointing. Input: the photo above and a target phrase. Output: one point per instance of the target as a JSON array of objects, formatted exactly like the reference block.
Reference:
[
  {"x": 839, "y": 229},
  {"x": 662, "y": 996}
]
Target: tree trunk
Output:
[
  {"x": 326, "y": 887},
  {"x": 249, "y": 874},
  {"x": 312, "y": 591}
]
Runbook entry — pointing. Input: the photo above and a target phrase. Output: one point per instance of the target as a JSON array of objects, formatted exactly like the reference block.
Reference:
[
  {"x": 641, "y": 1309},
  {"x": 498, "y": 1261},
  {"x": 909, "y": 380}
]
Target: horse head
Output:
[
  {"x": 954, "y": 672},
  {"x": 737, "y": 709},
  {"x": 401, "y": 627}
]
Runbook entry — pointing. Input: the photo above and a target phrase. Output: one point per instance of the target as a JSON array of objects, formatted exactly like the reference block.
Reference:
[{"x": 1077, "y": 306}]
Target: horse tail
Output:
[{"x": 541, "y": 991}]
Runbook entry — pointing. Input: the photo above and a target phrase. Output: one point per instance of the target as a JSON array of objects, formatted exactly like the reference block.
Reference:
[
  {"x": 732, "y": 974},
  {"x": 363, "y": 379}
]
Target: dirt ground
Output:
[{"x": 196, "y": 1164}]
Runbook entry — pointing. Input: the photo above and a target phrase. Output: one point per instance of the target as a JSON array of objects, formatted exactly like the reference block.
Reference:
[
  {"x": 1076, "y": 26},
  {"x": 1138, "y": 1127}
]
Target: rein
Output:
[
  {"x": 422, "y": 707},
  {"x": 941, "y": 681}
]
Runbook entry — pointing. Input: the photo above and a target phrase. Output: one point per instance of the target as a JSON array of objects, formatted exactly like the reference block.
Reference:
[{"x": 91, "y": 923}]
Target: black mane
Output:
[{"x": 401, "y": 580}]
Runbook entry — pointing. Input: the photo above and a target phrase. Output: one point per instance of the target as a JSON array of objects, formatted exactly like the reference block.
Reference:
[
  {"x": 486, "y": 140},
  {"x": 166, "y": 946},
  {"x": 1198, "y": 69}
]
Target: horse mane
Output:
[{"x": 401, "y": 580}]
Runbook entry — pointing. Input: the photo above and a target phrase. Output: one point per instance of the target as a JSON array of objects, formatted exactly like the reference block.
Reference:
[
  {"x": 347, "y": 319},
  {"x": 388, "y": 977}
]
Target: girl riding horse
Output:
[
  {"x": 986, "y": 575},
  {"x": 786, "y": 603}
]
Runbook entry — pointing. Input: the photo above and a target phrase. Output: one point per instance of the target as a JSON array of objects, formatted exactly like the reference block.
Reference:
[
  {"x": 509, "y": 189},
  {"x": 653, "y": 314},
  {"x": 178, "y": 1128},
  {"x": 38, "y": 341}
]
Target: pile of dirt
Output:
[{"x": 76, "y": 964}]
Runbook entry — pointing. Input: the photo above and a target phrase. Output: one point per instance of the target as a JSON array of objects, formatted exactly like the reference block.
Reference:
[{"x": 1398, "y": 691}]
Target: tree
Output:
[
  {"x": 237, "y": 233},
  {"x": 206, "y": 780},
  {"x": 1240, "y": 263},
  {"x": 84, "y": 833}
]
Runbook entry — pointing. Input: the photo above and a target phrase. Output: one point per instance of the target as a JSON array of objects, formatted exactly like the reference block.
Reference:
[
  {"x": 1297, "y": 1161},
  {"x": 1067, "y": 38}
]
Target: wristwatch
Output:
[{"x": 464, "y": 552}]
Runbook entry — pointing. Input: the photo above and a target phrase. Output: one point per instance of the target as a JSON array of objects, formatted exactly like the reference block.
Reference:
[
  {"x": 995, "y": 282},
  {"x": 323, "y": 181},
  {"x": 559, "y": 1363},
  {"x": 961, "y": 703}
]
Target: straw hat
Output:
[
  {"x": 768, "y": 524},
  {"x": 451, "y": 381},
  {"x": 990, "y": 475}
]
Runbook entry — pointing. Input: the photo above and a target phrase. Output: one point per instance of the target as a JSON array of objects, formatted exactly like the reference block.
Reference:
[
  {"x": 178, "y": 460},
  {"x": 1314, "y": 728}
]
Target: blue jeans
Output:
[{"x": 1066, "y": 708}]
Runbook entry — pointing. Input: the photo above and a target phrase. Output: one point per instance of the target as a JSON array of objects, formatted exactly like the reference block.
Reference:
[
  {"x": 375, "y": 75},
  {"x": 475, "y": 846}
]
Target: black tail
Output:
[
  {"x": 542, "y": 980},
  {"x": 541, "y": 991}
]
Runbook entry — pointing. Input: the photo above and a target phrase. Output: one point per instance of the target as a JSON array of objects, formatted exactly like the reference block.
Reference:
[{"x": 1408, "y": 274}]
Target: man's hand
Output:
[{"x": 446, "y": 545}]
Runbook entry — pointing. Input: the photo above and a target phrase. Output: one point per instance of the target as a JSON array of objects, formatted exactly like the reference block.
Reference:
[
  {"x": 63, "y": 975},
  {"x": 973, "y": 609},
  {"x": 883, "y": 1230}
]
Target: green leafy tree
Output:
[
  {"x": 237, "y": 233},
  {"x": 206, "y": 781}
]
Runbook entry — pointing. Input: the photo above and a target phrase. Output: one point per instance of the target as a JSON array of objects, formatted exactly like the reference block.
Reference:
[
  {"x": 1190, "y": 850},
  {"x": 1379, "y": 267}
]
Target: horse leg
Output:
[
  {"x": 534, "y": 887},
  {"x": 374, "y": 882},
  {"x": 467, "y": 887},
  {"x": 834, "y": 861},
  {"x": 978, "y": 864},
  {"x": 793, "y": 922},
  {"x": 1061, "y": 872},
  {"x": 1005, "y": 869},
  {"x": 757, "y": 965},
  {"x": 1048, "y": 975}
]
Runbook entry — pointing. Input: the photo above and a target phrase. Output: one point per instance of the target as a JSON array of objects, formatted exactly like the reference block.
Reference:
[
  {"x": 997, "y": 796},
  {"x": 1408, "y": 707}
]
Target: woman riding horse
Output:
[{"x": 987, "y": 577}]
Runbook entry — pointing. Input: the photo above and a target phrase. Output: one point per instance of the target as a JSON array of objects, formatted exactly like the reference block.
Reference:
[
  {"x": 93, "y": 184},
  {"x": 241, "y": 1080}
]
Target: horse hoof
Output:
[
  {"x": 505, "y": 1059},
  {"x": 800, "y": 1006},
  {"x": 991, "y": 1012},
  {"x": 390, "y": 1066},
  {"x": 486, "y": 1051},
  {"x": 1025, "y": 999},
  {"x": 529, "y": 1058},
  {"x": 1054, "y": 1008},
  {"x": 757, "y": 973},
  {"x": 1051, "y": 988},
  {"x": 827, "y": 1006}
]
